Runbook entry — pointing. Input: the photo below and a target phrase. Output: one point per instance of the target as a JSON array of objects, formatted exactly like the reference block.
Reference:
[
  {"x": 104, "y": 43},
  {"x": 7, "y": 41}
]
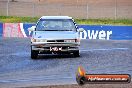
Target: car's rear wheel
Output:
[
  {"x": 34, "y": 54},
  {"x": 76, "y": 53}
]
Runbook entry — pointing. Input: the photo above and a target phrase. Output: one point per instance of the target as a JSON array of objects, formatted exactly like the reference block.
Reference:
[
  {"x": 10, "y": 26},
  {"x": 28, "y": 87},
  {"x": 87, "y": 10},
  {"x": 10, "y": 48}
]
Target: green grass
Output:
[
  {"x": 14, "y": 19},
  {"x": 105, "y": 21}
]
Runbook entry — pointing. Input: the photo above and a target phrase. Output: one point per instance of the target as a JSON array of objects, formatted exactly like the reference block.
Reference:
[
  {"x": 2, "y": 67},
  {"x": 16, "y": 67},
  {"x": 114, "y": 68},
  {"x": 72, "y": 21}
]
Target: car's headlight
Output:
[
  {"x": 33, "y": 40},
  {"x": 77, "y": 40},
  {"x": 39, "y": 40},
  {"x": 69, "y": 40}
]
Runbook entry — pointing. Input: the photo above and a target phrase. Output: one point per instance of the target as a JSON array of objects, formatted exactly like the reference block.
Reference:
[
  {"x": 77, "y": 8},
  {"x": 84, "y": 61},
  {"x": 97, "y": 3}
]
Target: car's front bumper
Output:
[
  {"x": 64, "y": 47},
  {"x": 55, "y": 44}
]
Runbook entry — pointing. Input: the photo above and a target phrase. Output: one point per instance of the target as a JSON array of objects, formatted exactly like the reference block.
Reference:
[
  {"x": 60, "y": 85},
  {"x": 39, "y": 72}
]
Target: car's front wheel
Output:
[
  {"x": 34, "y": 54},
  {"x": 76, "y": 53}
]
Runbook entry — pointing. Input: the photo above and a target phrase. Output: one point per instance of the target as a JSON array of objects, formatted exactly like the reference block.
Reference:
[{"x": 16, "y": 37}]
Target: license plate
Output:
[{"x": 55, "y": 48}]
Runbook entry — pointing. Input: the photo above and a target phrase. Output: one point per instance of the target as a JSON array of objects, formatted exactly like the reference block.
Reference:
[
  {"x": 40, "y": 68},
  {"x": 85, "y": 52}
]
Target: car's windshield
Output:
[{"x": 55, "y": 25}]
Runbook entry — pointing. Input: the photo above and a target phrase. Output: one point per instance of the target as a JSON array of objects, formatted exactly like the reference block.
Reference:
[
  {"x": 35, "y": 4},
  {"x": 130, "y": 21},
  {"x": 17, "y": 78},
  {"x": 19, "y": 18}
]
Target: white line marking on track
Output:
[{"x": 103, "y": 49}]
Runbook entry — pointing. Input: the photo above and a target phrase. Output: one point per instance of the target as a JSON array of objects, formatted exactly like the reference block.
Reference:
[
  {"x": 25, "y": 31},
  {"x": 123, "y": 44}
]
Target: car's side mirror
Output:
[
  {"x": 80, "y": 30},
  {"x": 32, "y": 28}
]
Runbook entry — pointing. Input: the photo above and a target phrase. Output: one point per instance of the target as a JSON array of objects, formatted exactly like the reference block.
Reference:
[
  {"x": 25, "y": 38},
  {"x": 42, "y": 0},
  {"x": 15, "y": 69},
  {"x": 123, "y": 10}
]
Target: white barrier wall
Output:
[{"x": 102, "y": 32}]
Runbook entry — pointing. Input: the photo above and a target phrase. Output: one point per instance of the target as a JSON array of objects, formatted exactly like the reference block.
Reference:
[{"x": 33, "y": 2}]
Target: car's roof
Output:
[{"x": 56, "y": 17}]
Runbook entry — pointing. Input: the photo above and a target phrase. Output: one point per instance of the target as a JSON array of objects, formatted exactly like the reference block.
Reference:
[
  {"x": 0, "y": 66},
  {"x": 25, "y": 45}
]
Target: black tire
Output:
[
  {"x": 76, "y": 53},
  {"x": 34, "y": 54}
]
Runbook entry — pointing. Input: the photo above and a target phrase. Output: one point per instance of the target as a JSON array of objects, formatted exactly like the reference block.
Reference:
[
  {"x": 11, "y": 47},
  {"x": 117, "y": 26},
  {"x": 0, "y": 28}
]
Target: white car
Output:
[{"x": 55, "y": 35}]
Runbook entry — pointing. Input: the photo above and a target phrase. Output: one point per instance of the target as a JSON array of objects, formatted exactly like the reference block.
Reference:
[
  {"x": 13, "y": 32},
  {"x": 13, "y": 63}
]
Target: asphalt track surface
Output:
[{"x": 17, "y": 69}]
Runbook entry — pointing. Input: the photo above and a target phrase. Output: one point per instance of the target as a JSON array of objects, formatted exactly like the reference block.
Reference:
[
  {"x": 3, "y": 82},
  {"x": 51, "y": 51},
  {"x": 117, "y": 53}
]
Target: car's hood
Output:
[{"x": 55, "y": 34}]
